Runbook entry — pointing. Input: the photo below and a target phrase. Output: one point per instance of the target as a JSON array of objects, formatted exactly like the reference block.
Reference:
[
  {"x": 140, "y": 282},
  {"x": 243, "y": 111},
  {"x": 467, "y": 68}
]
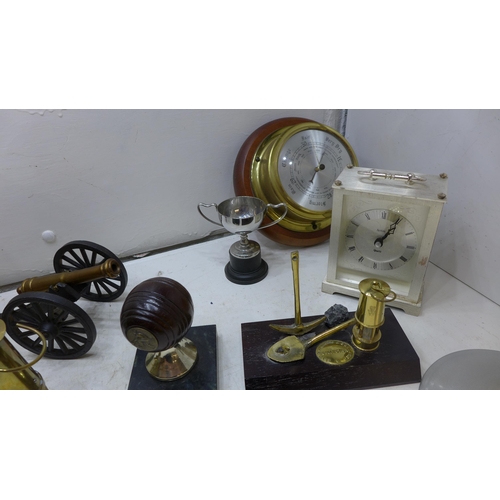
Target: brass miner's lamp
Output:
[{"x": 373, "y": 294}]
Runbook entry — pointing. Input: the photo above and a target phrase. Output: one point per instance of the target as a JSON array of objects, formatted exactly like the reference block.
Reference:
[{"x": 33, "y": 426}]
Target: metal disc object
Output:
[
  {"x": 335, "y": 352},
  {"x": 469, "y": 369}
]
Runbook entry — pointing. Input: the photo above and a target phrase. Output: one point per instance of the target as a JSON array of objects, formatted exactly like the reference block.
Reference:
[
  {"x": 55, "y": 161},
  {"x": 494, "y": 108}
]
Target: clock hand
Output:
[
  {"x": 316, "y": 170},
  {"x": 380, "y": 241}
]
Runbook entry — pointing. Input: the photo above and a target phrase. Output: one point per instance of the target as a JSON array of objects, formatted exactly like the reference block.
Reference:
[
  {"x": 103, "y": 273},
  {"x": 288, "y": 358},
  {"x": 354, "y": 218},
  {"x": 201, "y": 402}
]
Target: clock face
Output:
[
  {"x": 381, "y": 240},
  {"x": 380, "y": 237},
  {"x": 383, "y": 227}
]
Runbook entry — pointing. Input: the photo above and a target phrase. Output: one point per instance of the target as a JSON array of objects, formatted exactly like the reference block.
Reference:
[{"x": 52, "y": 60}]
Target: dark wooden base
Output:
[
  {"x": 242, "y": 276},
  {"x": 202, "y": 376},
  {"x": 395, "y": 362}
]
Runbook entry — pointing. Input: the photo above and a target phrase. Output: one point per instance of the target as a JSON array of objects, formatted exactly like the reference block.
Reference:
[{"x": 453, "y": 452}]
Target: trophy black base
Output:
[
  {"x": 246, "y": 271},
  {"x": 395, "y": 362},
  {"x": 203, "y": 375}
]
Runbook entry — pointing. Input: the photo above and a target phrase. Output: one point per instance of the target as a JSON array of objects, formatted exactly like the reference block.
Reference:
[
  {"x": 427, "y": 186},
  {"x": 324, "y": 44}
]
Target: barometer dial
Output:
[{"x": 294, "y": 161}]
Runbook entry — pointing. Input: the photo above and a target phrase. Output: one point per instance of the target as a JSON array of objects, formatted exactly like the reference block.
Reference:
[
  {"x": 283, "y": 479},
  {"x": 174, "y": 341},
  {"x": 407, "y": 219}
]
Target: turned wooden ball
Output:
[{"x": 156, "y": 314}]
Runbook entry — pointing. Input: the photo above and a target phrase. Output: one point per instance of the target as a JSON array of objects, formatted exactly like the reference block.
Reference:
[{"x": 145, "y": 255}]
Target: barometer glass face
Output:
[
  {"x": 294, "y": 161},
  {"x": 309, "y": 163}
]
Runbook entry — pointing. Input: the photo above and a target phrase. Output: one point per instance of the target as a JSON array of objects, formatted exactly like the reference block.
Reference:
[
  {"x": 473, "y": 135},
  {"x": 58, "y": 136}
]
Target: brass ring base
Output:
[
  {"x": 366, "y": 338},
  {"x": 363, "y": 346},
  {"x": 173, "y": 363}
]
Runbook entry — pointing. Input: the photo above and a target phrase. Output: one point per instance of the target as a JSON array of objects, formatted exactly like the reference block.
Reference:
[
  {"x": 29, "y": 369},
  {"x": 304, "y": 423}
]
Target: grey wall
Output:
[{"x": 129, "y": 180}]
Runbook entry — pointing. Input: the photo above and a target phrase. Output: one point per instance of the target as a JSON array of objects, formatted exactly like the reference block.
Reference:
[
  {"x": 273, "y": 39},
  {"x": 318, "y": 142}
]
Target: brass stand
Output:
[
  {"x": 201, "y": 376},
  {"x": 172, "y": 363}
]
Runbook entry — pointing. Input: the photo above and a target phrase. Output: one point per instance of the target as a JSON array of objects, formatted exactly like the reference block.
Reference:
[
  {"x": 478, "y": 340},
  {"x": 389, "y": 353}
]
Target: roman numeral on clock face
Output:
[{"x": 381, "y": 239}]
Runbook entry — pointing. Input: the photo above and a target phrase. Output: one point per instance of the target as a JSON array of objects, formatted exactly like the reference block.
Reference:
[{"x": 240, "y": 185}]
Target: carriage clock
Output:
[
  {"x": 383, "y": 226},
  {"x": 293, "y": 161}
]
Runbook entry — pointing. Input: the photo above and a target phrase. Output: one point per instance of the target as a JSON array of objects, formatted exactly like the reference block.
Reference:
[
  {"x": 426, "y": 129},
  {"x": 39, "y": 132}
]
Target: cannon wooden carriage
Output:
[{"x": 47, "y": 303}]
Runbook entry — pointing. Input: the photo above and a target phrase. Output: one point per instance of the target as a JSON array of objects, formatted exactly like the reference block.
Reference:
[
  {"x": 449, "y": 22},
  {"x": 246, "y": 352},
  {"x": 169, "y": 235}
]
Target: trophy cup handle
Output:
[
  {"x": 208, "y": 205},
  {"x": 280, "y": 218}
]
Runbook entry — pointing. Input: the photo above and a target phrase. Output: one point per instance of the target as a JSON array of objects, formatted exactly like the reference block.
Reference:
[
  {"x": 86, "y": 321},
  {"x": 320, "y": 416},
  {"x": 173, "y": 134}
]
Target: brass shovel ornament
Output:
[
  {"x": 298, "y": 328},
  {"x": 292, "y": 348}
]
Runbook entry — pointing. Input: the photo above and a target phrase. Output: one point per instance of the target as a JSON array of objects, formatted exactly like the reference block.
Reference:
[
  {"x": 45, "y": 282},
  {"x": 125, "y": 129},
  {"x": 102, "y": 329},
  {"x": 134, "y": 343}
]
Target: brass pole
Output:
[{"x": 108, "y": 269}]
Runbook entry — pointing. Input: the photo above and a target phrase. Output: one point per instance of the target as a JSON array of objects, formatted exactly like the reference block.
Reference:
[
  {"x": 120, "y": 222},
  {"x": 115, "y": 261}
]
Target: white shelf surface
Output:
[{"x": 454, "y": 317}]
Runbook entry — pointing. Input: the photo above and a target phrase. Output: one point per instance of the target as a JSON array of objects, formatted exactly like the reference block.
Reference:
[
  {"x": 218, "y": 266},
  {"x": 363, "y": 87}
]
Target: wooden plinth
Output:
[
  {"x": 202, "y": 376},
  {"x": 395, "y": 362}
]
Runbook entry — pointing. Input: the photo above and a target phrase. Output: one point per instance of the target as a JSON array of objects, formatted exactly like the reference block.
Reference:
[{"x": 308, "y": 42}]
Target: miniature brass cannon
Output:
[
  {"x": 46, "y": 303},
  {"x": 108, "y": 269}
]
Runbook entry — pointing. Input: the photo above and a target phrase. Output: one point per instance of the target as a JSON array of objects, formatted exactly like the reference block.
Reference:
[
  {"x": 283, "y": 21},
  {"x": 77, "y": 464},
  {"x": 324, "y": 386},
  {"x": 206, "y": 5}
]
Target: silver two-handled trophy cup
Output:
[{"x": 241, "y": 215}]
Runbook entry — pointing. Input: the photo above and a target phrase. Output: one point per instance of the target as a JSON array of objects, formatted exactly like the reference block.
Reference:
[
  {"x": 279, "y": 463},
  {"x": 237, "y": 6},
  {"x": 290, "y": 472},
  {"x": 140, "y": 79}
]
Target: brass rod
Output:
[
  {"x": 296, "y": 286},
  {"x": 329, "y": 332},
  {"x": 108, "y": 269}
]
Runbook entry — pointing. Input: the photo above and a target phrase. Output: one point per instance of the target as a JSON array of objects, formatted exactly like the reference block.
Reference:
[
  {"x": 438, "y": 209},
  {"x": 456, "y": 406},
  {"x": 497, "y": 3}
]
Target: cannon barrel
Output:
[{"x": 108, "y": 269}]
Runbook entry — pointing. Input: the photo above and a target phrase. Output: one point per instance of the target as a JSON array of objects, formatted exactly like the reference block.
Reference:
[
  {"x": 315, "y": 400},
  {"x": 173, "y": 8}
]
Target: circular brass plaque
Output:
[
  {"x": 335, "y": 352},
  {"x": 142, "y": 339}
]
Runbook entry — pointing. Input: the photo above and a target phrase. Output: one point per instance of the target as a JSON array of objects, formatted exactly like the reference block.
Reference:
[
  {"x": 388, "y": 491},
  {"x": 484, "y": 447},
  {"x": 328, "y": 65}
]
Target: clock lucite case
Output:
[{"x": 383, "y": 226}]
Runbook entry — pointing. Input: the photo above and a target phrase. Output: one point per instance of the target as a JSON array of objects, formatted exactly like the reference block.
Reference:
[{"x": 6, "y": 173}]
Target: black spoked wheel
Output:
[
  {"x": 69, "y": 331},
  {"x": 83, "y": 254}
]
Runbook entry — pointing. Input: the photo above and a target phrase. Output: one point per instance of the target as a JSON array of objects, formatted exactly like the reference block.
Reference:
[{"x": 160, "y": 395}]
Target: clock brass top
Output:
[{"x": 395, "y": 182}]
